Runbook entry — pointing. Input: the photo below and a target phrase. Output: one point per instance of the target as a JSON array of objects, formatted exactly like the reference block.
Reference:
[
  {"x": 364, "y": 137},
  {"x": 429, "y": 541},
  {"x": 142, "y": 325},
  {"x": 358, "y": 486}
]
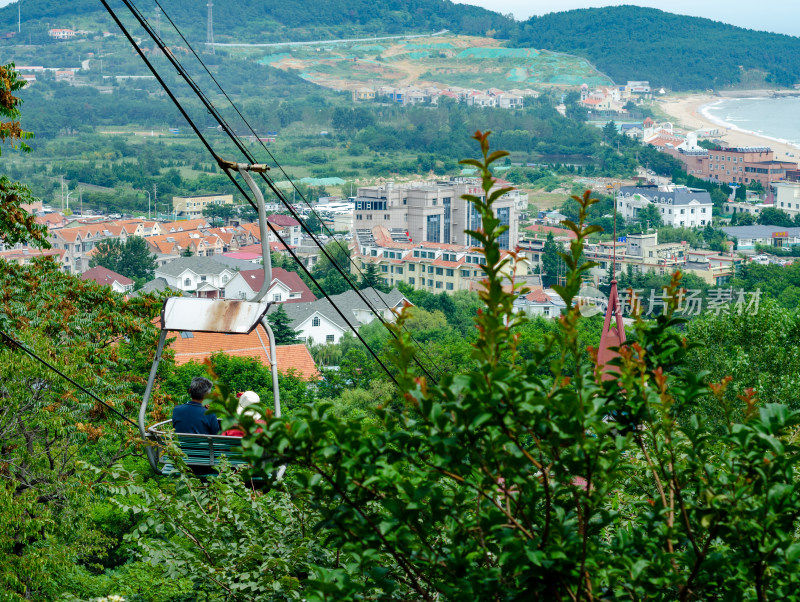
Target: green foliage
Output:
[
  {"x": 230, "y": 542},
  {"x": 131, "y": 258},
  {"x": 219, "y": 214},
  {"x": 660, "y": 56},
  {"x": 326, "y": 273},
  {"x": 775, "y": 217},
  {"x": 552, "y": 264},
  {"x": 509, "y": 481}
]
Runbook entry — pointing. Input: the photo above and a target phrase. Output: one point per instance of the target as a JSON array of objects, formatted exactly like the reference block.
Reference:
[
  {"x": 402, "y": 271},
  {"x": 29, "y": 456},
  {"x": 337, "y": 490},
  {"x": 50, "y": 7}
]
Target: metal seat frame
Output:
[{"x": 188, "y": 314}]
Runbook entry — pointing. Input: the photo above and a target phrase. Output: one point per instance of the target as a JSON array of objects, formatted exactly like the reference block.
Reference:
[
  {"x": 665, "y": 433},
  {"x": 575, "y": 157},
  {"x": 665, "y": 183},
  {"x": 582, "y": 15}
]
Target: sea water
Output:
[{"x": 774, "y": 118}]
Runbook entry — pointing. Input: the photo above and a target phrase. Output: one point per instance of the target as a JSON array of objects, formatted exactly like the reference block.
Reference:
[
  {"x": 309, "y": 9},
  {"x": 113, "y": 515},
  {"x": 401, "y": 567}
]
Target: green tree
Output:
[
  {"x": 282, "y": 327},
  {"x": 131, "y": 258},
  {"x": 370, "y": 277},
  {"x": 16, "y": 224},
  {"x": 219, "y": 214},
  {"x": 649, "y": 217},
  {"x": 775, "y": 217},
  {"x": 552, "y": 264}
]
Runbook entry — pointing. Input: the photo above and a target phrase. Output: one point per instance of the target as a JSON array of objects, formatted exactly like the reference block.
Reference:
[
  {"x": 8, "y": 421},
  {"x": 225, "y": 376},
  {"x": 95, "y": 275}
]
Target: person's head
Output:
[
  {"x": 247, "y": 399},
  {"x": 199, "y": 388}
]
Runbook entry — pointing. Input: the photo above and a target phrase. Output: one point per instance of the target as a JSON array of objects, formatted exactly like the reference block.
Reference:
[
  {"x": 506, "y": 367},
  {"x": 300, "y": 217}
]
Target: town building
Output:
[
  {"x": 430, "y": 266},
  {"x": 61, "y": 34},
  {"x": 199, "y": 276},
  {"x": 286, "y": 287},
  {"x": 732, "y": 207},
  {"x": 679, "y": 206},
  {"x": 106, "y": 277},
  {"x": 318, "y": 322},
  {"x": 192, "y": 206},
  {"x": 432, "y": 211},
  {"x": 748, "y": 237},
  {"x": 787, "y": 197},
  {"x": 200, "y": 346}
]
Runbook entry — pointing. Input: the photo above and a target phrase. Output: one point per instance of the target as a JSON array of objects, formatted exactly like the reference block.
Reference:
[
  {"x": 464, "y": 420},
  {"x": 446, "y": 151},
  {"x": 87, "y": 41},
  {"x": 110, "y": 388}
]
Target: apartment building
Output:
[
  {"x": 432, "y": 212},
  {"x": 192, "y": 206},
  {"x": 430, "y": 266}
]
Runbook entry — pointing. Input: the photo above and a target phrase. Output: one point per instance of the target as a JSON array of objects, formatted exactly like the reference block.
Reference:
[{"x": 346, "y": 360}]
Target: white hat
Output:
[{"x": 247, "y": 399}]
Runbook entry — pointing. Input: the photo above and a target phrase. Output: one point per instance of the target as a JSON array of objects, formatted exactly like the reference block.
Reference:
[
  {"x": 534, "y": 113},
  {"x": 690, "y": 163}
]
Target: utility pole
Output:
[
  {"x": 19, "y": 16},
  {"x": 210, "y": 29},
  {"x": 158, "y": 21}
]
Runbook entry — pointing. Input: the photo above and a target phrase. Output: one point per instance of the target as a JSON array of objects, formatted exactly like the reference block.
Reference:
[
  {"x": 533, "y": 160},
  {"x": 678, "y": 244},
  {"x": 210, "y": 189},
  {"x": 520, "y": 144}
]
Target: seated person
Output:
[
  {"x": 191, "y": 417},
  {"x": 246, "y": 399}
]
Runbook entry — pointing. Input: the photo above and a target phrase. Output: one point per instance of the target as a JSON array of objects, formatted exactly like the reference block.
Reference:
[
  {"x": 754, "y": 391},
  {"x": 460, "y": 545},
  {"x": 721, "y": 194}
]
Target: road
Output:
[{"x": 406, "y": 37}]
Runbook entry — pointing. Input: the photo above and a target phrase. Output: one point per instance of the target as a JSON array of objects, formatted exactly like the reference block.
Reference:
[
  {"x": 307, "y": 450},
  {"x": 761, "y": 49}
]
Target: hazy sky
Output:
[{"x": 780, "y": 16}]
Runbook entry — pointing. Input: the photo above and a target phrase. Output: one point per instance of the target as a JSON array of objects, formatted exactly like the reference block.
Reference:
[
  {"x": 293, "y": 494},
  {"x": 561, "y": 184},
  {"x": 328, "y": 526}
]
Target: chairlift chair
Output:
[{"x": 223, "y": 316}]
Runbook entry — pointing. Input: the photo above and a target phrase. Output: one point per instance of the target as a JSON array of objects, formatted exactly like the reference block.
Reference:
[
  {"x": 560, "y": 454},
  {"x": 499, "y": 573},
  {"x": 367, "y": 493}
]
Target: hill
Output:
[
  {"x": 264, "y": 22},
  {"x": 675, "y": 51}
]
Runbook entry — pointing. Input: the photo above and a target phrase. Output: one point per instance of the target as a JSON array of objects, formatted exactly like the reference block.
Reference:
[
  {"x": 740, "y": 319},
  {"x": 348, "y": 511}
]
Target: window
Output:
[
  {"x": 439, "y": 271},
  {"x": 430, "y": 282},
  {"x": 411, "y": 267},
  {"x": 276, "y": 298},
  {"x": 438, "y": 284},
  {"x": 187, "y": 335},
  {"x": 202, "y": 278},
  {"x": 329, "y": 338},
  {"x": 187, "y": 282},
  {"x": 315, "y": 321},
  {"x": 242, "y": 295},
  {"x": 449, "y": 286},
  {"x": 384, "y": 268},
  {"x": 430, "y": 269},
  {"x": 411, "y": 280},
  {"x": 225, "y": 279},
  {"x": 465, "y": 273},
  {"x": 450, "y": 272},
  {"x": 398, "y": 270}
]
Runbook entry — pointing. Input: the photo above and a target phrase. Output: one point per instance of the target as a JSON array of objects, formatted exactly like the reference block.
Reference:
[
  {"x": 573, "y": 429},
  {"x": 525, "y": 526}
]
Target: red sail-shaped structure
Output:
[{"x": 613, "y": 335}]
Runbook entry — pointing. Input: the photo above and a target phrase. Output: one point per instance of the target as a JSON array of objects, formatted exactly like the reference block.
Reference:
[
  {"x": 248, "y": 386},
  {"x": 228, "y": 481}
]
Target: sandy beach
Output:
[{"x": 686, "y": 112}]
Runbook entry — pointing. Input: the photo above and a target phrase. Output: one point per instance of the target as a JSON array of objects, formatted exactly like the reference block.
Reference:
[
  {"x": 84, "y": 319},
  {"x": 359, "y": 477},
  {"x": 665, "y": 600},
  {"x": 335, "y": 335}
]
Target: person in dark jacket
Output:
[{"x": 191, "y": 417}]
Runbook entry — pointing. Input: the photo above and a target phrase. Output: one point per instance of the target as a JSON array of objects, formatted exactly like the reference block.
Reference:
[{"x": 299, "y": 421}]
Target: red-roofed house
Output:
[
  {"x": 101, "y": 275},
  {"x": 286, "y": 287},
  {"x": 198, "y": 346},
  {"x": 540, "y": 302},
  {"x": 287, "y": 226}
]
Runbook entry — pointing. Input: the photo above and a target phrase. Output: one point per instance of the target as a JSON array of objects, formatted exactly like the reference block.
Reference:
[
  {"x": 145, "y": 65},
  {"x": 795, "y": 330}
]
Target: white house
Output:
[
  {"x": 101, "y": 275},
  {"x": 540, "y": 302},
  {"x": 288, "y": 227},
  {"x": 200, "y": 275},
  {"x": 319, "y": 322},
  {"x": 679, "y": 206},
  {"x": 286, "y": 287}
]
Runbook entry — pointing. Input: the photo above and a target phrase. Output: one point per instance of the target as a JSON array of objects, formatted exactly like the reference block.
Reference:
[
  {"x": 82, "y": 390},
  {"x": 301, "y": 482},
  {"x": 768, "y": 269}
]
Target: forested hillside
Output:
[
  {"x": 678, "y": 52},
  {"x": 251, "y": 21},
  {"x": 625, "y": 42}
]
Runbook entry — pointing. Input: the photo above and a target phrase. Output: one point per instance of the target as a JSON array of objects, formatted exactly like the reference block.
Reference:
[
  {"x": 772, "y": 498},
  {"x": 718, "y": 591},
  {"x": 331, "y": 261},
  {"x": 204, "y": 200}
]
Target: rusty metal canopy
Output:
[{"x": 231, "y": 316}]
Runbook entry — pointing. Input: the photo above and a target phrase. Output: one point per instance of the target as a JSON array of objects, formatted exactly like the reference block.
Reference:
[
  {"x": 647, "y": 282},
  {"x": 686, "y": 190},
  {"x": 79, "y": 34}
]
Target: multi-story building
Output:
[
  {"x": 192, "y": 206},
  {"x": 787, "y": 197},
  {"x": 61, "y": 34},
  {"x": 432, "y": 211},
  {"x": 735, "y": 165},
  {"x": 431, "y": 266},
  {"x": 679, "y": 206}
]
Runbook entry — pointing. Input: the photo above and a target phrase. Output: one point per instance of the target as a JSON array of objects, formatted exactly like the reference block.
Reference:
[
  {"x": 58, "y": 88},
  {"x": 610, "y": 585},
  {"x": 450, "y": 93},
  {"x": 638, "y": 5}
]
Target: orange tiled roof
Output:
[
  {"x": 185, "y": 225},
  {"x": 203, "y": 344}
]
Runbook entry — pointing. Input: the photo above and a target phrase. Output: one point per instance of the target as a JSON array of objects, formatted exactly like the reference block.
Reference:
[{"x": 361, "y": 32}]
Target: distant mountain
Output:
[
  {"x": 264, "y": 22},
  {"x": 624, "y": 42},
  {"x": 679, "y": 52}
]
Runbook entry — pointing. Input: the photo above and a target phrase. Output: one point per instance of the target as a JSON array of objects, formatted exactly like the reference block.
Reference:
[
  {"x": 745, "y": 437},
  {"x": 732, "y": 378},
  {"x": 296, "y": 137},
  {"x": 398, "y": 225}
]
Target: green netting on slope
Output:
[
  {"x": 430, "y": 45},
  {"x": 322, "y": 181},
  {"x": 273, "y": 58},
  {"x": 497, "y": 53},
  {"x": 417, "y": 54},
  {"x": 469, "y": 171}
]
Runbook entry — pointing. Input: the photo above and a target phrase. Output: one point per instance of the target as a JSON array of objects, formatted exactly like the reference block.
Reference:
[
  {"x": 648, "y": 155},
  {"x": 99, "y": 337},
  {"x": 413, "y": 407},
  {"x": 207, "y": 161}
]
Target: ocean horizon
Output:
[{"x": 772, "y": 118}]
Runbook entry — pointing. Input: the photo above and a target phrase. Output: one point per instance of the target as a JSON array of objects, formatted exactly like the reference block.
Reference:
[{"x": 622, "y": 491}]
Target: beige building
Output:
[
  {"x": 431, "y": 211},
  {"x": 787, "y": 197},
  {"x": 434, "y": 267},
  {"x": 192, "y": 206}
]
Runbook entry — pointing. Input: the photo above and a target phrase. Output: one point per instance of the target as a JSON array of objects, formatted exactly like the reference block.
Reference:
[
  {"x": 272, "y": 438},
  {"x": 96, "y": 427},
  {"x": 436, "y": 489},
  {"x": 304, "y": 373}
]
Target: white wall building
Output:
[{"x": 679, "y": 206}]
